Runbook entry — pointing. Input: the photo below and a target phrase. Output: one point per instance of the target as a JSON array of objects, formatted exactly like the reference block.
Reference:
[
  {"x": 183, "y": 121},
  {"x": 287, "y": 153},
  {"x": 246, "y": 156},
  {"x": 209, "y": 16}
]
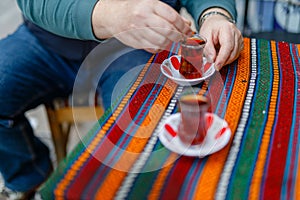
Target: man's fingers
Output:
[
  {"x": 172, "y": 17},
  {"x": 229, "y": 51}
]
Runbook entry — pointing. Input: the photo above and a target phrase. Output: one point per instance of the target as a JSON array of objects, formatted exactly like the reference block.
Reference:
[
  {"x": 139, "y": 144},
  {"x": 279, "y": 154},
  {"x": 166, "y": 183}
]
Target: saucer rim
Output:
[
  {"x": 183, "y": 81},
  {"x": 193, "y": 151}
]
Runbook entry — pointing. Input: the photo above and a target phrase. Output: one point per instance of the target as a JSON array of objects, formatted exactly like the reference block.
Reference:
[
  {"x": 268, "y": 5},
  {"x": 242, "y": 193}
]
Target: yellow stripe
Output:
[
  {"x": 115, "y": 177},
  {"x": 71, "y": 173},
  {"x": 262, "y": 155},
  {"x": 207, "y": 185}
]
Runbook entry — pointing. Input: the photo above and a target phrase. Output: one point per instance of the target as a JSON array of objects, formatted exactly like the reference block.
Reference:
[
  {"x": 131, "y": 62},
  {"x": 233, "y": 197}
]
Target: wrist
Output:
[
  {"x": 215, "y": 12},
  {"x": 99, "y": 20}
]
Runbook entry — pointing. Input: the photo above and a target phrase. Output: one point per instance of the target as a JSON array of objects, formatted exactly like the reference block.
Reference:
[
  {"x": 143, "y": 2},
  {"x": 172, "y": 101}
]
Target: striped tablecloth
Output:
[{"x": 259, "y": 97}]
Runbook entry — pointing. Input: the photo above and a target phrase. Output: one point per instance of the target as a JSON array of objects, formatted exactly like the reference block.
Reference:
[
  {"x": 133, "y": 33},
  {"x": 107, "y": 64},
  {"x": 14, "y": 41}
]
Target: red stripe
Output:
[
  {"x": 291, "y": 175},
  {"x": 215, "y": 90},
  {"x": 194, "y": 178},
  {"x": 277, "y": 158},
  {"x": 177, "y": 178},
  {"x": 83, "y": 177}
]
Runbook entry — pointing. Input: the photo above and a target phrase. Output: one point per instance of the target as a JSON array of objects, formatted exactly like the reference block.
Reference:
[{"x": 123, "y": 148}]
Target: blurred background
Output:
[{"x": 10, "y": 17}]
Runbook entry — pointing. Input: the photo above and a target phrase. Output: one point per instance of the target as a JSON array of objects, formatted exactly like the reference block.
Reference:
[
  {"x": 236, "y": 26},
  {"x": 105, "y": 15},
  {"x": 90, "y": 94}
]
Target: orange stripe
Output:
[
  {"x": 115, "y": 177},
  {"x": 297, "y": 184},
  {"x": 213, "y": 168},
  {"x": 73, "y": 170},
  {"x": 262, "y": 155}
]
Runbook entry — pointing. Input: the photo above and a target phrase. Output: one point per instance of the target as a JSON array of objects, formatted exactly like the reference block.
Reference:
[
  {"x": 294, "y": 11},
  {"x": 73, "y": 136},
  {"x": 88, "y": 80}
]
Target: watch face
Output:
[{"x": 267, "y": 15}]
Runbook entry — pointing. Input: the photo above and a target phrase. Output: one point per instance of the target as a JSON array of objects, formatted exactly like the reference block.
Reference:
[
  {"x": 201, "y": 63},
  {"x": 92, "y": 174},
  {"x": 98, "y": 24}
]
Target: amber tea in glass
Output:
[
  {"x": 192, "y": 128},
  {"x": 191, "y": 66}
]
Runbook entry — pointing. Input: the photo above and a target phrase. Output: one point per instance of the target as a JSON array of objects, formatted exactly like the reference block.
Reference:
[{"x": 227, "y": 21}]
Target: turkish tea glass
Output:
[
  {"x": 191, "y": 65},
  {"x": 192, "y": 127}
]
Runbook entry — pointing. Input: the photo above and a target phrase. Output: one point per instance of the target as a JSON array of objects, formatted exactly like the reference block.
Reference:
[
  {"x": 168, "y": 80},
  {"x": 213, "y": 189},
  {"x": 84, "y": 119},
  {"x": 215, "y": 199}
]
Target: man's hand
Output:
[
  {"x": 147, "y": 24},
  {"x": 224, "y": 40}
]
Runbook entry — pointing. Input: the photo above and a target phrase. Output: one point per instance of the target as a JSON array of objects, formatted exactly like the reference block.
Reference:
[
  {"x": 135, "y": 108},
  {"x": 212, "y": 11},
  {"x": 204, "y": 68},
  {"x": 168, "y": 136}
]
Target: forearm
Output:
[
  {"x": 197, "y": 7},
  {"x": 68, "y": 18}
]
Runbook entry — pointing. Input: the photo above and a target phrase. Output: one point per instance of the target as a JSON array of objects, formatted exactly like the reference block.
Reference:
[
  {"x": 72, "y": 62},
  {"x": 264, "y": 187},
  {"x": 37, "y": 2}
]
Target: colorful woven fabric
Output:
[{"x": 259, "y": 97}]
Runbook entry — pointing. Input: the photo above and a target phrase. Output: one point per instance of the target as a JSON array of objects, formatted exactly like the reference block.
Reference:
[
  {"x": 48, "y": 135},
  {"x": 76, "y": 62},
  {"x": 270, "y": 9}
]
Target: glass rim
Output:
[{"x": 194, "y": 45}]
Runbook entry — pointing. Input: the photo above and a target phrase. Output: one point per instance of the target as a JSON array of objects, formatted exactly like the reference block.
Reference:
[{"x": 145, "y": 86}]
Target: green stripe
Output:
[{"x": 250, "y": 145}]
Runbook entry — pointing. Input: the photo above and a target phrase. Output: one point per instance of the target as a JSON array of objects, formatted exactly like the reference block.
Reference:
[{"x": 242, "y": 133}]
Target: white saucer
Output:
[
  {"x": 218, "y": 135},
  {"x": 170, "y": 68}
]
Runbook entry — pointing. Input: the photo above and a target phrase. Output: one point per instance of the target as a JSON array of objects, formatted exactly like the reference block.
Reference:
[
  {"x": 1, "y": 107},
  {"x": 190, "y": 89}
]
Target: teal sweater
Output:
[{"x": 72, "y": 18}]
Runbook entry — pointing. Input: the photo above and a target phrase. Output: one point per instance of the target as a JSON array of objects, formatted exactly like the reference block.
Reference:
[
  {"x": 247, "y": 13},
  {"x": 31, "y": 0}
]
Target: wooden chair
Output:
[
  {"x": 61, "y": 118},
  {"x": 273, "y": 20}
]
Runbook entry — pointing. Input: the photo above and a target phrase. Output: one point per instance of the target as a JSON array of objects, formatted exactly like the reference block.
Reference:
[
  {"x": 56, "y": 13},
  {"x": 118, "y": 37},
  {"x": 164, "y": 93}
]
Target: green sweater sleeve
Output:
[
  {"x": 196, "y": 7},
  {"x": 72, "y": 18},
  {"x": 68, "y": 18}
]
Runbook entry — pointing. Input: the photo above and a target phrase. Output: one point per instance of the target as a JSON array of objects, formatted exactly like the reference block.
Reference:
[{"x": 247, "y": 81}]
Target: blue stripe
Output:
[
  {"x": 230, "y": 88},
  {"x": 234, "y": 68},
  {"x": 223, "y": 91},
  {"x": 189, "y": 193},
  {"x": 298, "y": 134}
]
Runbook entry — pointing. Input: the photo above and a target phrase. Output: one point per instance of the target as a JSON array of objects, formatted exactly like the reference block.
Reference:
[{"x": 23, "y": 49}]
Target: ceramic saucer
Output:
[
  {"x": 217, "y": 137},
  {"x": 170, "y": 68}
]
